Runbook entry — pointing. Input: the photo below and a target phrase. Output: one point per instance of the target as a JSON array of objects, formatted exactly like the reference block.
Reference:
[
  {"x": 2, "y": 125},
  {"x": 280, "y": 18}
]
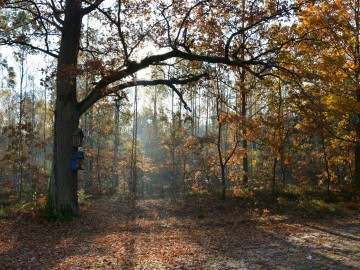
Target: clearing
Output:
[{"x": 192, "y": 233}]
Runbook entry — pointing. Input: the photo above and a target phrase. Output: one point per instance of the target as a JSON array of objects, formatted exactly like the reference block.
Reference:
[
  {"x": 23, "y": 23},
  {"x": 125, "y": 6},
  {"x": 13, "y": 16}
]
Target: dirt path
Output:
[{"x": 168, "y": 234}]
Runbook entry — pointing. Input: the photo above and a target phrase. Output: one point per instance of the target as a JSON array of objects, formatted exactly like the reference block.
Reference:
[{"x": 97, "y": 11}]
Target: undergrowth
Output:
[
  {"x": 292, "y": 201},
  {"x": 32, "y": 204},
  {"x": 308, "y": 202}
]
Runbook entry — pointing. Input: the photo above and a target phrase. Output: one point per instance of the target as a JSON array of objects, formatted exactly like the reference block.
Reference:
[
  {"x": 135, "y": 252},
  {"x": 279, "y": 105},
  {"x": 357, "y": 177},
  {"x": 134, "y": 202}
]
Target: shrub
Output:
[{"x": 82, "y": 197}]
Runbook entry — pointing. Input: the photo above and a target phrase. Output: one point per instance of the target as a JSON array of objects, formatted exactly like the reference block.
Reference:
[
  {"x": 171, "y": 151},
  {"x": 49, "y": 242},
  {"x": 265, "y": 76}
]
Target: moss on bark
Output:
[{"x": 62, "y": 213}]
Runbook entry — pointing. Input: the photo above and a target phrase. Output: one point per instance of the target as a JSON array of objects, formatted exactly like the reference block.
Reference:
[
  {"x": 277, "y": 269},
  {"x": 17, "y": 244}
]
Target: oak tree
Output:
[{"x": 128, "y": 37}]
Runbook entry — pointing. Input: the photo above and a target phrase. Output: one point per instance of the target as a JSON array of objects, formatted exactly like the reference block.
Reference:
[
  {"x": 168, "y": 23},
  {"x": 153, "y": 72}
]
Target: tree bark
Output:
[
  {"x": 274, "y": 176},
  {"x": 244, "y": 107},
  {"x": 134, "y": 177},
  {"x": 326, "y": 161},
  {"x": 357, "y": 162},
  {"x": 244, "y": 140},
  {"x": 357, "y": 75},
  {"x": 20, "y": 152},
  {"x": 115, "y": 167},
  {"x": 221, "y": 161},
  {"x": 62, "y": 196}
]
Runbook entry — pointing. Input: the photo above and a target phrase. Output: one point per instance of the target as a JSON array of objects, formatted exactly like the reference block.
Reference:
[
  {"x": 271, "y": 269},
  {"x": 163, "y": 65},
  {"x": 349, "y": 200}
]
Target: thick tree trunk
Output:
[{"x": 62, "y": 196}]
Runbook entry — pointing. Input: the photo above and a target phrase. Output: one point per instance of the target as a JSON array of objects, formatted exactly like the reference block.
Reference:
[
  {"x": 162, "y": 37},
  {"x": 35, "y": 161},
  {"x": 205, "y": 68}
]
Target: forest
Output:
[{"x": 168, "y": 134}]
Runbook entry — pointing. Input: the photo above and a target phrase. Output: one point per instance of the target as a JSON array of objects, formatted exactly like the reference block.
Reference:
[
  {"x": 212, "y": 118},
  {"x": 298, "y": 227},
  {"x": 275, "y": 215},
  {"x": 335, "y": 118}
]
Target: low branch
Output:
[
  {"x": 134, "y": 67},
  {"x": 98, "y": 94}
]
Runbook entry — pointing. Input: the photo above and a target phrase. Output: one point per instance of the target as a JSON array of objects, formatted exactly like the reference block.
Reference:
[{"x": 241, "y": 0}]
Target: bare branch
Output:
[
  {"x": 56, "y": 13},
  {"x": 23, "y": 43},
  {"x": 167, "y": 23},
  {"x": 97, "y": 94},
  {"x": 186, "y": 17},
  {"x": 92, "y": 7}
]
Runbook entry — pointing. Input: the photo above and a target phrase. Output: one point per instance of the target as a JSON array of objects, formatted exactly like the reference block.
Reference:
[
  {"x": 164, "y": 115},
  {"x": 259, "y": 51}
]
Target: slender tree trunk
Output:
[
  {"x": 328, "y": 174},
  {"x": 32, "y": 147},
  {"x": 282, "y": 134},
  {"x": 243, "y": 109},
  {"x": 88, "y": 145},
  {"x": 222, "y": 161},
  {"x": 357, "y": 76},
  {"x": 244, "y": 141},
  {"x": 20, "y": 169},
  {"x": 274, "y": 176},
  {"x": 283, "y": 171},
  {"x": 222, "y": 165},
  {"x": 183, "y": 179},
  {"x": 88, "y": 126},
  {"x": 133, "y": 179},
  {"x": 155, "y": 117},
  {"x": 207, "y": 116},
  {"x": 222, "y": 141},
  {"x": 173, "y": 142},
  {"x": 44, "y": 135},
  {"x": 223, "y": 182},
  {"x": 62, "y": 196},
  {"x": 357, "y": 158},
  {"x": 115, "y": 180},
  {"x": 199, "y": 113},
  {"x": 98, "y": 169}
]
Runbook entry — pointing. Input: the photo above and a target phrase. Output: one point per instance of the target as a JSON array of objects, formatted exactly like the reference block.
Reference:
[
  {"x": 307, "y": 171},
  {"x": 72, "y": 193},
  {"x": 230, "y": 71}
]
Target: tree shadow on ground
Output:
[
  {"x": 248, "y": 241},
  {"x": 190, "y": 233},
  {"x": 37, "y": 244},
  {"x": 347, "y": 231}
]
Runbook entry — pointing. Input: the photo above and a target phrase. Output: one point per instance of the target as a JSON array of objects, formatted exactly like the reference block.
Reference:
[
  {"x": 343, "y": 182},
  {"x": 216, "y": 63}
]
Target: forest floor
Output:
[{"x": 192, "y": 233}]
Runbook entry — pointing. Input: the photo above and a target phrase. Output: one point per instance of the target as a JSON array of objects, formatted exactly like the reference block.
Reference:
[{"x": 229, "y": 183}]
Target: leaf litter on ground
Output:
[{"x": 187, "y": 233}]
